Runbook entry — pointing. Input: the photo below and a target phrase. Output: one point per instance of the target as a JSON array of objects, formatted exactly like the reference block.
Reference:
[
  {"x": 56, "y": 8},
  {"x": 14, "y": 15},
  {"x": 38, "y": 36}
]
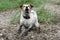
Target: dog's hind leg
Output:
[{"x": 37, "y": 27}]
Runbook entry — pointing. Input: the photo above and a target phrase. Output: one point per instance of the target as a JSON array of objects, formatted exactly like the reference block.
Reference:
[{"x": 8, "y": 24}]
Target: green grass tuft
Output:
[
  {"x": 58, "y": 3},
  {"x": 44, "y": 15},
  {"x": 15, "y": 18}
]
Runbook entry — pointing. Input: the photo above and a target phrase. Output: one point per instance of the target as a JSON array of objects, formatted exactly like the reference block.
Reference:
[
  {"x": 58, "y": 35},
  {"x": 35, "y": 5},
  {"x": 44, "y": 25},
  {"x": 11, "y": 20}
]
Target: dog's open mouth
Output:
[{"x": 26, "y": 11}]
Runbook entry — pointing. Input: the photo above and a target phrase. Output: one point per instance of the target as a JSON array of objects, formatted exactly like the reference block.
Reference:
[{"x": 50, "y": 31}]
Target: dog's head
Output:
[{"x": 26, "y": 7}]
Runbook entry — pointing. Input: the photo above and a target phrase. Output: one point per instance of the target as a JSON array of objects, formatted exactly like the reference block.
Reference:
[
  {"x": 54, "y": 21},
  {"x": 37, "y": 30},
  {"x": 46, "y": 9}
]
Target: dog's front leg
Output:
[
  {"x": 25, "y": 32},
  {"x": 19, "y": 30}
]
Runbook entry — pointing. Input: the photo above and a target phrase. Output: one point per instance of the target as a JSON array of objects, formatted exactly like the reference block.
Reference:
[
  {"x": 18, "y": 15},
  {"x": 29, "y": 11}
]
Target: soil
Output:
[{"x": 49, "y": 31}]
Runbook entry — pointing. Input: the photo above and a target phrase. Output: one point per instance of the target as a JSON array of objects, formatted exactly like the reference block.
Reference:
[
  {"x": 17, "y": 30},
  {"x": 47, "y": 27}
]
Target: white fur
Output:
[
  {"x": 33, "y": 19},
  {"x": 29, "y": 22}
]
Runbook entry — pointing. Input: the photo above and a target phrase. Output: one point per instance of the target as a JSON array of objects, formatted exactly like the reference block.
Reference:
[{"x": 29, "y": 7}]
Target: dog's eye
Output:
[
  {"x": 27, "y": 6},
  {"x": 23, "y": 6}
]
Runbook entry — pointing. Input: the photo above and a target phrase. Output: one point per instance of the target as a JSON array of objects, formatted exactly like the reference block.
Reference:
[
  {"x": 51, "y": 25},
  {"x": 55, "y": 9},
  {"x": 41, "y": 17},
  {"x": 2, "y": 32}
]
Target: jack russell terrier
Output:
[{"x": 28, "y": 19}]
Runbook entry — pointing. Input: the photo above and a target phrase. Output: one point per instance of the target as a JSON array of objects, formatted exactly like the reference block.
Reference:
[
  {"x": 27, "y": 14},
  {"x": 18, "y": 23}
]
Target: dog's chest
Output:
[{"x": 29, "y": 21}]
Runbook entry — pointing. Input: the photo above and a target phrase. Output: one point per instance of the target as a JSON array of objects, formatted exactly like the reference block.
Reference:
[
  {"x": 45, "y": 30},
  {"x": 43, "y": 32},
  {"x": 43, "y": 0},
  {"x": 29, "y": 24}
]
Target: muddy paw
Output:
[
  {"x": 24, "y": 34},
  {"x": 38, "y": 30},
  {"x": 18, "y": 32}
]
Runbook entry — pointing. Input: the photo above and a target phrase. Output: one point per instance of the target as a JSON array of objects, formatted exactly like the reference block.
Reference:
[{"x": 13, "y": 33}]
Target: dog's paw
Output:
[
  {"x": 18, "y": 31},
  {"x": 24, "y": 34},
  {"x": 38, "y": 30}
]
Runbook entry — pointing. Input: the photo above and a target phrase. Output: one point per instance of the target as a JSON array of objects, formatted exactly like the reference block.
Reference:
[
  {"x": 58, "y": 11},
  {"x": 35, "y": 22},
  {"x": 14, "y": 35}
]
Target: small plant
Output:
[
  {"x": 58, "y": 3},
  {"x": 44, "y": 15},
  {"x": 15, "y": 18}
]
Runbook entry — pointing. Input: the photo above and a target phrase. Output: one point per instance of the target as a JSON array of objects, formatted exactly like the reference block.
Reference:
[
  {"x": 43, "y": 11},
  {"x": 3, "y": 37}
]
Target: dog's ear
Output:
[
  {"x": 31, "y": 5},
  {"x": 21, "y": 5}
]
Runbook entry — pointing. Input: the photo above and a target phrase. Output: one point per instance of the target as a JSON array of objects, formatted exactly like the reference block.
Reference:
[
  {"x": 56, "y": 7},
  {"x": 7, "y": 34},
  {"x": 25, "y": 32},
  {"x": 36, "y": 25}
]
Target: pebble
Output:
[
  {"x": 32, "y": 37},
  {"x": 1, "y": 34},
  {"x": 2, "y": 39}
]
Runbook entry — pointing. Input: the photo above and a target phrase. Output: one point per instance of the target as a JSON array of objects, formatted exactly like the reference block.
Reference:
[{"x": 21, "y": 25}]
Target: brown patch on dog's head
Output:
[
  {"x": 21, "y": 6},
  {"x": 26, "y": 7},
  {"x": 31, "y": 6}
]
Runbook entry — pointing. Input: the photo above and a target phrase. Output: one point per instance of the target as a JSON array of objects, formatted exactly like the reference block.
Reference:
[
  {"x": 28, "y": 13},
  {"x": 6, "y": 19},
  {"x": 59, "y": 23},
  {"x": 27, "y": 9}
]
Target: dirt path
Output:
[
  {"x": 4, "y": 17},
  {"x": 48, "y": 31},
  {"x": 4, "y": 28}
]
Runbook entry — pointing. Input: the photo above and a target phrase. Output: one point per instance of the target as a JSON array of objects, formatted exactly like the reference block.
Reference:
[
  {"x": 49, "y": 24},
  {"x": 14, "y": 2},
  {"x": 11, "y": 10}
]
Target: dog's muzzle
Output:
[
  {"x": 26, "y": 14},
  {"x": 26, "y": 10}
]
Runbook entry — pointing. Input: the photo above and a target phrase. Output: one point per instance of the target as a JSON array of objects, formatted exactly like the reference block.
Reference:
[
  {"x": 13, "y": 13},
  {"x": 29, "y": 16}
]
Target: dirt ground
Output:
[{"x": 49, "y": 31}]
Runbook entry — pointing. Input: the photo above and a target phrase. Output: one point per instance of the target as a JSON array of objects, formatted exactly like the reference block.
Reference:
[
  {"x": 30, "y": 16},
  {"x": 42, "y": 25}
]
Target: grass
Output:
[
  {"x": 14, "y": 4},
  {"x": 58, "y": 3},
  {"x": 44, "y": 15},
  {"x": 8, "y": 4}
]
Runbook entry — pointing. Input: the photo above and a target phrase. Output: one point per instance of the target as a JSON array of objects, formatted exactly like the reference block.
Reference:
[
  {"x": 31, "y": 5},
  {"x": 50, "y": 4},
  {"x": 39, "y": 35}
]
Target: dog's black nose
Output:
[{"x": 26, "y": 8}]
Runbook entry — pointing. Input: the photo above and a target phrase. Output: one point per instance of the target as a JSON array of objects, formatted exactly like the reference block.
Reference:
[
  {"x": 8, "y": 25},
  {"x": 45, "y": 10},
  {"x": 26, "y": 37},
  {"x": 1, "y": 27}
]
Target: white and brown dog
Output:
[{"x": 28, "y": 18}]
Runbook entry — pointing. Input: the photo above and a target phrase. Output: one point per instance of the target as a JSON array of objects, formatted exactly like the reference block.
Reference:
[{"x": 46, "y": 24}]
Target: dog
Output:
[{"x": 28, "y": 19}]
